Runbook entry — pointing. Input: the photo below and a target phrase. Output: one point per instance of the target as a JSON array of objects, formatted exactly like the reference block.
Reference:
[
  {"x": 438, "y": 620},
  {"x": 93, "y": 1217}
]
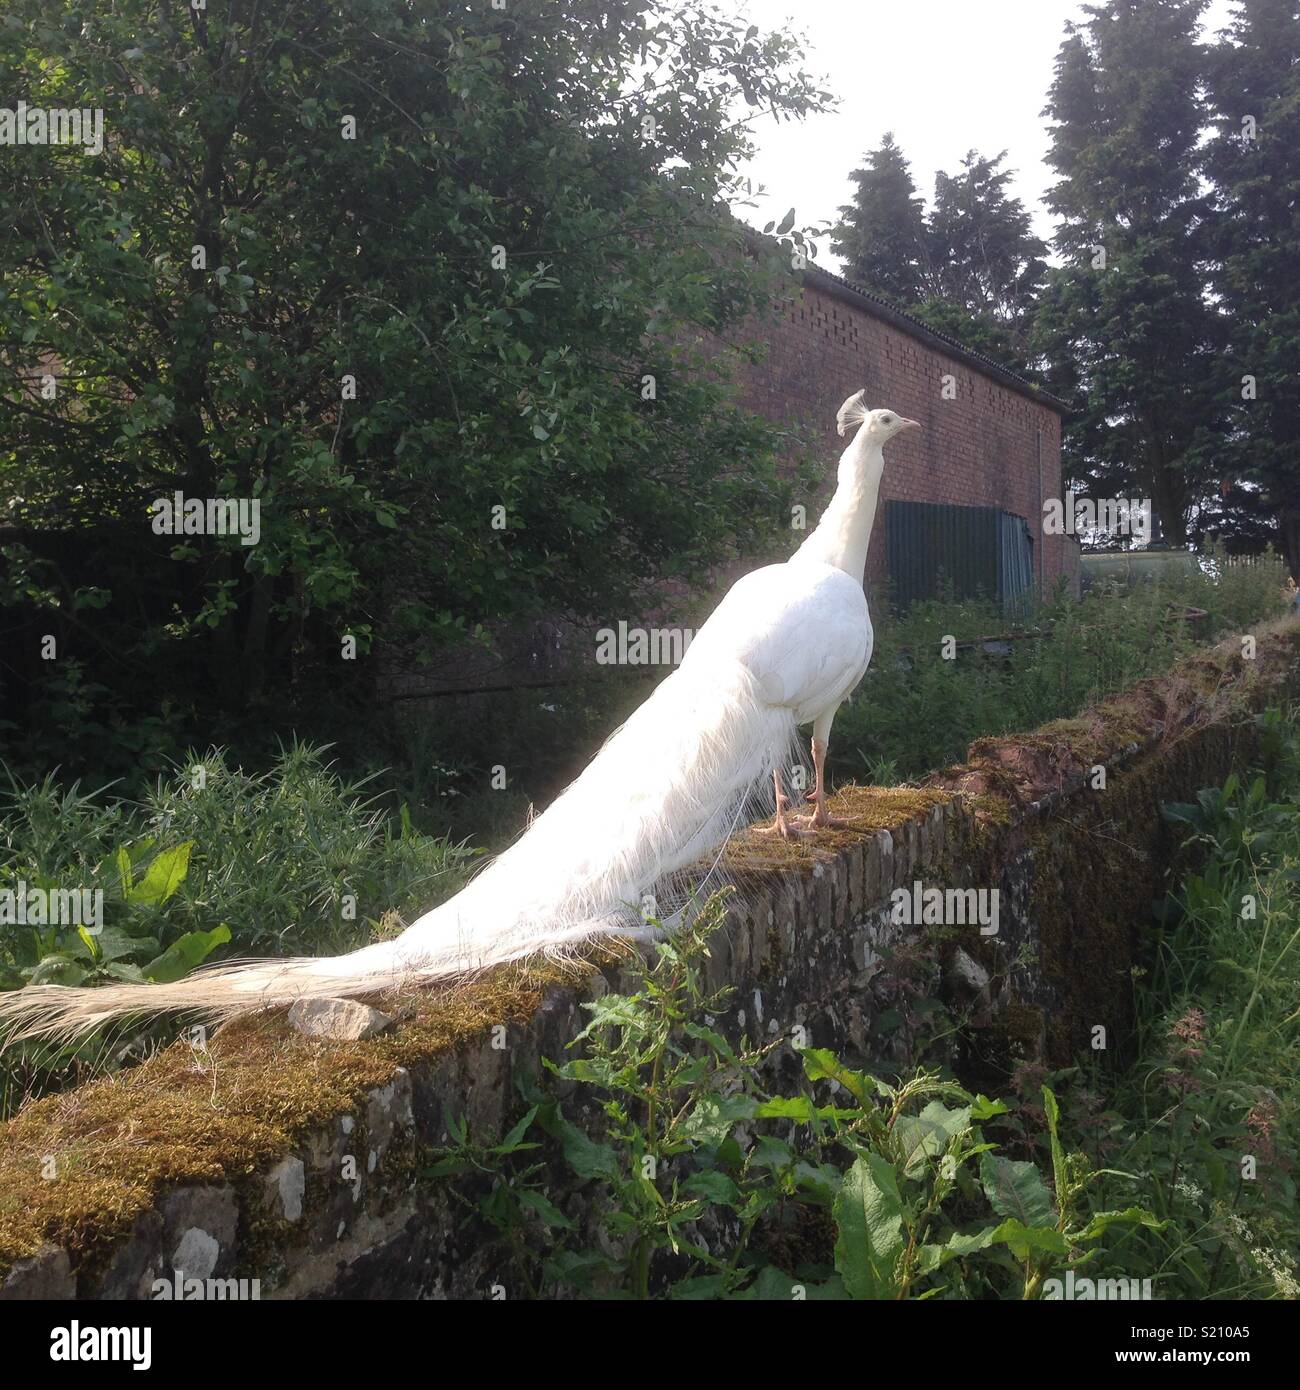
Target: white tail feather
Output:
[{"x": 689, "y": 767}]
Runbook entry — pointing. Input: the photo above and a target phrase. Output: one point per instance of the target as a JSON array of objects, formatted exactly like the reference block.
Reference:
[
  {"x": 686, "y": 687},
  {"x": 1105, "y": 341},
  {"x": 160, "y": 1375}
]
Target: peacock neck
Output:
[{"x": 843, "y": 535}]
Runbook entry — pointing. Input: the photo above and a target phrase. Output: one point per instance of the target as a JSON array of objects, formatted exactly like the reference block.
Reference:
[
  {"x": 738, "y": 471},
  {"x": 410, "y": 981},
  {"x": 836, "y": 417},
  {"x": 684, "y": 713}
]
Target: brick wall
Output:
[{"x": 979, "y": 449}]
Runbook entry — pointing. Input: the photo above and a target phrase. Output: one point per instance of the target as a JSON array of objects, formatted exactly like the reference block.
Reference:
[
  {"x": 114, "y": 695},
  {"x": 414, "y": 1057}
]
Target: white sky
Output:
[{"x": 945, "y": 76}]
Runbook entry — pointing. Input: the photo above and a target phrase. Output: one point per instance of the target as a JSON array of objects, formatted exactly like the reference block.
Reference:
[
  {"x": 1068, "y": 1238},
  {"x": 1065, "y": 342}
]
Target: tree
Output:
[
  {"x": 1125, "y": 322},
  {"x": 414, "y": 278},
  {"x": 969, "y": 266},
  {"x": 983, "y": 252},
  {"x": 1254, "y": 89},
  {"x": 882, "y": 235}
]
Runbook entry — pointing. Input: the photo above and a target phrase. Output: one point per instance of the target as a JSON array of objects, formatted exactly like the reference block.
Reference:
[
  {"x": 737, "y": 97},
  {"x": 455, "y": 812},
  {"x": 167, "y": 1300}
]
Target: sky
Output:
[{"x": 945, "y": 76}]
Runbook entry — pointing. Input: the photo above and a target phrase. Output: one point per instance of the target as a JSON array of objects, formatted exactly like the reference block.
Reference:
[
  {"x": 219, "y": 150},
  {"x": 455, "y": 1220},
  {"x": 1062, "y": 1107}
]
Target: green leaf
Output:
[
  {"x": 56, "y": 970},
  {"x": 1016, "y": 1190},
  {"x": 802, "y": 1109},
  {"x": 123, "y": 860},
  {"x": 869, "y": 1218},
  {"x": 982, "y": 1108},
  {"x": 184, "y": 954},
  {"x": 512, "y": 1140},
  {"x": 540, "y": 1203},
  {"x": 586, "y": 1158},
  {"x": 164, "y": 876},
  {"x": 924, "y": 1136},
  {"x": 774, "y": 1285},
  {"x": 1024, "y": 1240},
  {"x": 714, "y": 1186},
  {"x": 122, "y": 970},
  {"x": 934, "y": 1257},
  {"x": 1134, "y": 1216},
  {"x": 820, "y": 1063},
  {"x": 770, "y": 1152},
  {"x": 1060, "y": 1173},
  {"x": 114, "y": 944},
  {"x": 713, "y": 1117}
]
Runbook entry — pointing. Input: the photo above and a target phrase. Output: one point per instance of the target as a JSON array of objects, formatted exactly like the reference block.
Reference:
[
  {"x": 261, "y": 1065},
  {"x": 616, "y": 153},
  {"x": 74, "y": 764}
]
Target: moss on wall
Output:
[
  {"x": 78, "y": 1168},
  {"x": 1081, "y": 866}
]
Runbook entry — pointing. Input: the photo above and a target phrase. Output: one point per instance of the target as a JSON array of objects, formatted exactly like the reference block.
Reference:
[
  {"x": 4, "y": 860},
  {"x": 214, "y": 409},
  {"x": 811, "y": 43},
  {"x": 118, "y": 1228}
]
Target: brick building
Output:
[
  {"x": 989, "y": 452},
  {"x": 973, "y": 468}
]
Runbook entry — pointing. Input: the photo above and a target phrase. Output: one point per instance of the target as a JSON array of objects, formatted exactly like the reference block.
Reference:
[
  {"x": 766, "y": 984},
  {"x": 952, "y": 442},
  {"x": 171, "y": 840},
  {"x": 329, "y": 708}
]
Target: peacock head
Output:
[{"x": 877, "y": 425}]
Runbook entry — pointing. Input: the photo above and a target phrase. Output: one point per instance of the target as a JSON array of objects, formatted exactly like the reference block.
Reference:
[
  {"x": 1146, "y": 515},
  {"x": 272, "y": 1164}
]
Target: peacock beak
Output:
[{"x": 909, "y": 424}]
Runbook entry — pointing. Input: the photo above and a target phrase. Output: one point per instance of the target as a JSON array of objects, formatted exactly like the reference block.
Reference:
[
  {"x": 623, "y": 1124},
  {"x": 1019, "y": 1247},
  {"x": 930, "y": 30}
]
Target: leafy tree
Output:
[
  {"x": 1125, "y": 322},
  {"x": 398, "y": 272},
  {"x": 1254, "y": 87}
]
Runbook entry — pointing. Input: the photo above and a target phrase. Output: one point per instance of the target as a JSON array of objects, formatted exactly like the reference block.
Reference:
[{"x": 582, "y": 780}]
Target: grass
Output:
[
  {"x": 1208, "y": 1113},
  {"x": 292, "y": 861},
  {"x": 918, "y": 709}
]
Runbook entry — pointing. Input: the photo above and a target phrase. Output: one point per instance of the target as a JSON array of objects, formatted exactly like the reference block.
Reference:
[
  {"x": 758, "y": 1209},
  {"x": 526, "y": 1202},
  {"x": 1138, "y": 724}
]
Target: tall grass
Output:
[
  {"x": 294, "y": 860},
  {"x": 920, "y": 705},
  {"x": 1208, "y": 1113}
]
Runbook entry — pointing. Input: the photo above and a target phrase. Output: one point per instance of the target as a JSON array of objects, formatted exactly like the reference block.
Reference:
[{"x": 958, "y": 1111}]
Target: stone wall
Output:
[{"x": 297, "y": 1163}]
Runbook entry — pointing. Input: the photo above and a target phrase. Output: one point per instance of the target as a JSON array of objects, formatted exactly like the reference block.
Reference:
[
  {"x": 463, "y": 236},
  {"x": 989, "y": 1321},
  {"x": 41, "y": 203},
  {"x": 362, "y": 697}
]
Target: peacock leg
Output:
[
  {"x": 782, "y": 825},
  {"x": 819, "y": 820}
]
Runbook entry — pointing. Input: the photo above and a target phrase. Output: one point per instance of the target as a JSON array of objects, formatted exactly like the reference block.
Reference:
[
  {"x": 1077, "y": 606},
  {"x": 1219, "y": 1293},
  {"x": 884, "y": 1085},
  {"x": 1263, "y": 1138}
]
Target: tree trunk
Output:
[{"x": 1288, "y": 529}]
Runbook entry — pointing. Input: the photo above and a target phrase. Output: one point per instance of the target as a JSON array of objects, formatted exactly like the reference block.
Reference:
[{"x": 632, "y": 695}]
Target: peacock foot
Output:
[{"x": 783, "y": 826}]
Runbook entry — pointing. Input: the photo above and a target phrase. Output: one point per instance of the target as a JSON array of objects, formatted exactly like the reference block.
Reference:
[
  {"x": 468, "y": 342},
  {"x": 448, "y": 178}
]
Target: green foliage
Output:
[
  {"x": 291, "y": 861},
  {"x": 970, "y": 266},
  {"x": 916, "y": 710},
  {"x": 1208, "y": 1112},
  {"x": 1254, "y": 91},
  {"x": 882, "y": 236},
  {"x": 702, "y": 1183},
  {"x": 697, "y": 1173},
  {"x": 1133, "y": 338},
  {"x": 593, "y": 144}
]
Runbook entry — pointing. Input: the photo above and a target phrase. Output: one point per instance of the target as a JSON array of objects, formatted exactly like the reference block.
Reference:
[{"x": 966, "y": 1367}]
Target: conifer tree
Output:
[
  {"x": 1126, "y": 321},
  {"x": 1254, "y": 90}
]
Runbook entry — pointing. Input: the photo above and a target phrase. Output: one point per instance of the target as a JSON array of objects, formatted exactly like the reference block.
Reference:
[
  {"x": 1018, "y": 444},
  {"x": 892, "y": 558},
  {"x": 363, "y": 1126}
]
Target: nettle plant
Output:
[{"x": 703, "y": 1184}]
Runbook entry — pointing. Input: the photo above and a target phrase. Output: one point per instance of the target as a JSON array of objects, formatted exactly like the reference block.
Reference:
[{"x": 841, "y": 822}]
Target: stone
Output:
[
  {"x": 137, "y": 1263},
  {"x": 285, "y": 1185},
  {"x": 47, "y": 1274},
  {"x": 199, "y": 1228},
  {"x": 344, "y": 1020},
  {"x": 968, "y": 973},
  {"x": 197, "y": 1254}
]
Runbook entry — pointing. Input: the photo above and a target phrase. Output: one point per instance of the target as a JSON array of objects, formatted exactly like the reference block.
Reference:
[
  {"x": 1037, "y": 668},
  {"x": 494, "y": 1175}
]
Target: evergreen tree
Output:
[
  {"x": 1126, "y": 322},
  {"x": 983, "y": 254},
  {"x": 881, "y": 237},
  {"x": 1254, "y": 88},
  {"x": 969, "y": 267}
]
